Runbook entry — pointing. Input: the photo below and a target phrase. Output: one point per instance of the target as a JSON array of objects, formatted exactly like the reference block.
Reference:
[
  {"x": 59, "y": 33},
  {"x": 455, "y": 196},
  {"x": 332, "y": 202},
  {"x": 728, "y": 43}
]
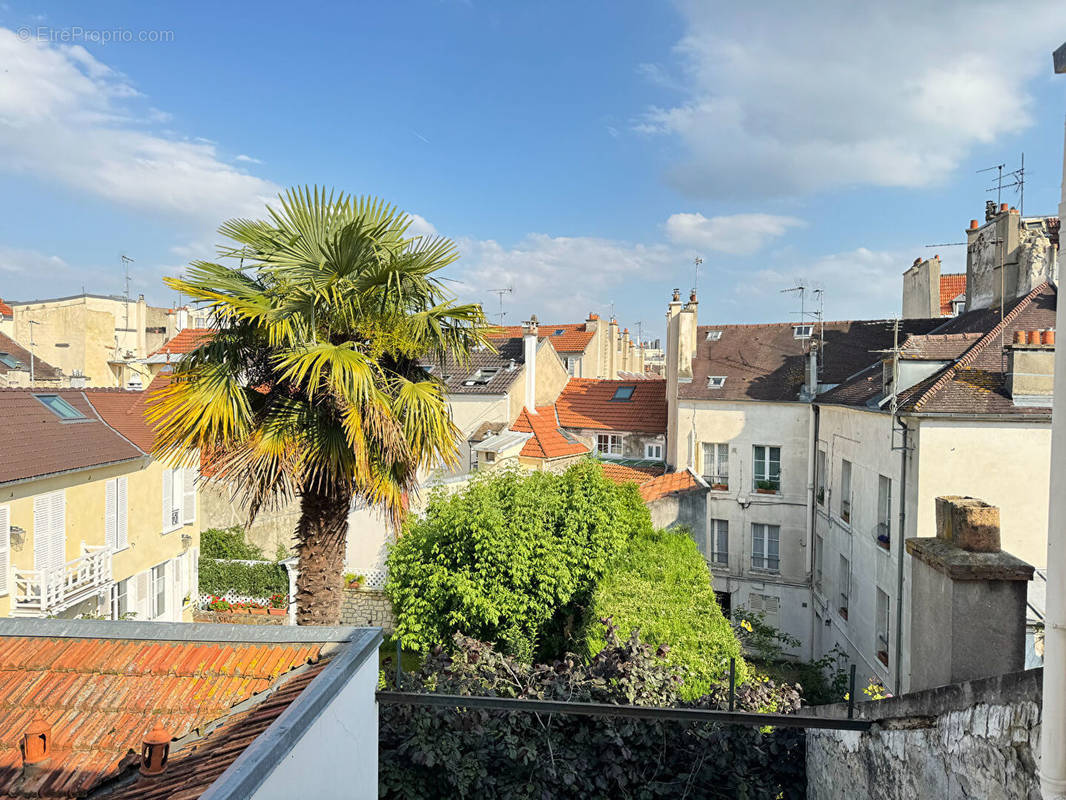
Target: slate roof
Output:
[
  {"x": 42, "y": 370},
  {"x": 455, "y": 375},
  {"x": 951, "y": 286},
  {"x": 587, "y": 403},
  {"x": 767, "y": 362},
  {"x": 670, "y": 483},
  {"x": 547, "y": 440},
  {"x": 567, "y": 337},
  {"x": 938, "y": 347},
  {"x": 183, "y": 342},
  {"x": 38, "y": 443}
]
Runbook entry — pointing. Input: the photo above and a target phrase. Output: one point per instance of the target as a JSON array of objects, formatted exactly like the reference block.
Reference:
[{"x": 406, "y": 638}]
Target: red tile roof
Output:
[
  {"x": 951, "y": 286},
  {"x": 547, "y": 440},
  {"x": 624, "y": 473},
  {"x": 124, "y": 410},
  {"x": 42, "y": 370},
  {"x": 5, "y": 309},
  {"x": 587, "y": 403},
  {"x": 185, "y": 341},
  {"x": 669, "y": 483},
  {"x": 567, "y": 337},
  {"x": 101, "y": 696}
]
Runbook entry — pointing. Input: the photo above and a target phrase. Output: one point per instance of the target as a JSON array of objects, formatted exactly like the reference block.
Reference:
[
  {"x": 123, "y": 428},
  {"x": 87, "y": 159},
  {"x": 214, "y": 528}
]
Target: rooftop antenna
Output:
[
  {"x": 1015, "y": 180},
  {"x": 126, "y": 261},
  {"x": 696, "y": 281},
  {"x": 500, "y": 293}
]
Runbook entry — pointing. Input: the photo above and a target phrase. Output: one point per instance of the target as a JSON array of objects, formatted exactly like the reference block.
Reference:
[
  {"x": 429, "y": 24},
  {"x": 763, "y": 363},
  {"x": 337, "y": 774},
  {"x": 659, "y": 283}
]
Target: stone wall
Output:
[
  {"x": 220, "y": 509},
  {"x": 367, "y": 607},
  {"x": 965, "y": 740},
  {"x": 227, "y": 618}
]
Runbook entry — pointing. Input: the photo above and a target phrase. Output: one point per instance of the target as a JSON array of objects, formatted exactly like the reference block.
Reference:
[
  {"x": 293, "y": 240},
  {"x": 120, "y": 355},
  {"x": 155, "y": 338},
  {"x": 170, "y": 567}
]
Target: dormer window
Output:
[
  {"x": 716, "y": 381},
  {"x": 60, "y": 407},
  {"x": 713, "y": 336},
  {"x": 801, "y": 331},
  {"x": 9, "y": 360},
  {"x": 623, "y": 393}
]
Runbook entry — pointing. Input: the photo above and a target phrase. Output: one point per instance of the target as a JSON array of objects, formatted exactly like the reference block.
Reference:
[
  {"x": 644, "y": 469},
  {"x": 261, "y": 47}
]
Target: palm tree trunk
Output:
[{"x": 321, "y": 538}]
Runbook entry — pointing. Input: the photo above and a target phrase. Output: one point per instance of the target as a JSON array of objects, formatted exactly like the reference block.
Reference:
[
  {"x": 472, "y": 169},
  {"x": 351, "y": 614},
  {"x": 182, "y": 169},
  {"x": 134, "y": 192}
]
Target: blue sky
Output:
[{"x": 581, "y": 153}]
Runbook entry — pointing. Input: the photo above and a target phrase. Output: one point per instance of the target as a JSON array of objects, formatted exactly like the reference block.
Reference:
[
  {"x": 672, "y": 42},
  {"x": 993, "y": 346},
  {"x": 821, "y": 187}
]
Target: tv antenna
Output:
[
  {"x": 500, "y": 293},
  {"x": 1015, "y": 180},
  {"x": 126, "y": 261},
  {"x": 696, "y": 280}
]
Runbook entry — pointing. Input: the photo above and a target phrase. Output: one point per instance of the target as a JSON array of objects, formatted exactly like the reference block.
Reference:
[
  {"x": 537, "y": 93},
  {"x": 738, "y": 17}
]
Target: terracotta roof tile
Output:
[
  {"x": 547, "y": 440},
  {"x": 42, "y": 370},
  {"x": 670, "y": 483},
  {"x": 587, "y": 403},
  {"x": 566, "y": 337},
  {"x": 124, "y": 410},
  {"x": 626, "y": 473},
  {"x": 5, "y": 310},
  {"x": 183, "y": 342},
  {"x": 101, "y": 696},
  {"x": 951, "y": 286}
]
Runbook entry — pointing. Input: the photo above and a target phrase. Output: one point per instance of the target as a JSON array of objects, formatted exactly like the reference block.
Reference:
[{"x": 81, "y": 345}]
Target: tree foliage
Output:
[
  {"x": 511, "y": 559},
  {"x": 659, "y": 584},
  {"x": 259, "y": 581},
  {"x": 229, "y": 543},
  {"x": 427, "y": 753}
]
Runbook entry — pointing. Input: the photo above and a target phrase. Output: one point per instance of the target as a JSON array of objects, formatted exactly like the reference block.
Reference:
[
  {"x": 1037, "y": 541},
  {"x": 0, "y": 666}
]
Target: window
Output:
[
  {"x": 767, "y": 606},
  {"x": 716, "y": 465},
  {"x": 559, "y": 332},
  {"x": 482, "y": 377},
  {"x": 490, "y": 457},
  {"x": 9, "y": 360},
  {"x": 801, "y": 331},
  {"x": 767, "y": 468},
  {"x": 882, "y": 627},
  {"x": 884, "y": 511},
  {"x": 609, "y": 444},
  {"x": 116, "y": 532},
  {"x": 60, "y": 407},
  {"x": 819, "y": 472},
  {"x": 765, "y": 541},
  {"x": 845, "y": 490},
  {"x": 570, "y": 362},
  {"x": 179, "y": 498},
  {"x": 720, "y": 541},
  {"x": 5, "y": 549},
  {"x": 819, "y": 545},
  {"x": 845, "y": 586},
  {"x": 49, "y": 530},
  {"x": 714, "y": 336},
  {"x": 159, "y": 590},
  {"x": 623, "y": 393},
  {"x": 725, "y": 602},
  {"x": 715, "y": 381},
  {"x": 654, "y": 451},
  {"x": 120, "y": 599}
]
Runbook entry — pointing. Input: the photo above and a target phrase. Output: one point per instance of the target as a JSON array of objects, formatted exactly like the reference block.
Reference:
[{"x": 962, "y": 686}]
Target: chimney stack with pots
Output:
[
  {"x": 1031, "y": 368},
  {"x": 530, "y": 334}
]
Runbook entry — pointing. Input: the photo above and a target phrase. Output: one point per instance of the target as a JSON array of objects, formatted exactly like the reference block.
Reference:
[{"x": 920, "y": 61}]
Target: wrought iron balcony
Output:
[{"x": 39, "y": 592}]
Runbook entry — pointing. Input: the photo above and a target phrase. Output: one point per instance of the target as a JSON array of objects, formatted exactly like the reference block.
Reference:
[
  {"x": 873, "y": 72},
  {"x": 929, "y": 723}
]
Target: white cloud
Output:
[
  {"x": 737, "y": 234},
  {"x": 69, "y": 118},
  {"x": 247, "y": 159},
  {"x": 787, "y": 97},
  {"x": 14, "y": 260},
  {"x": 420, "y": 226}
]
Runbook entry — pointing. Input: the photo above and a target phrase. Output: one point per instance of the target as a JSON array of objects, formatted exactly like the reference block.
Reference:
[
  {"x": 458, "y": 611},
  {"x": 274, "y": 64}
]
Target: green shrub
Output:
[
  {"x": 253, "y": 580},
  {"x": 660, "y": 585},
  {"x": 228, "y": 543},
  {"x": 511, "y": 558}
]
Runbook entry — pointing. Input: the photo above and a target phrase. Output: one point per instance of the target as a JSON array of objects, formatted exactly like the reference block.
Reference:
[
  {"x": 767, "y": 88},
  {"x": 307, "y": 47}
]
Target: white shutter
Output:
[
  {"x": 5, "y": 549},
  {"x": 59, "y": 528},
  {"x": 168, "y": 497},
  {"x": 188, "y": 514},
  {"x": 143, "y": 605},
  {"x": 111, "y": 514},
  {"x": 194, "y": 573},
  {"x": 49, "y": 530},
  {"x": 122, "y": 534}
]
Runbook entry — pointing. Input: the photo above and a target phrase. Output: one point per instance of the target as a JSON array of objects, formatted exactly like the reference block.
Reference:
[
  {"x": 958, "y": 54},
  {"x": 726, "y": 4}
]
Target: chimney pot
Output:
[
  {"x": 155, "y": 749},
  {"x": 1019, "y": 337},
  {"x": 917, "y": 261},
  {"x": 1033, "y": 337},
  {"x": 36, "y": 741},
  {"x": 1013, "y": 210},
  {"x": 1048, "y": 336},
  {"x": 973, "y": 224},
  {"x": 1003, "y": 208},
  {"x": 677, "y": 295}
]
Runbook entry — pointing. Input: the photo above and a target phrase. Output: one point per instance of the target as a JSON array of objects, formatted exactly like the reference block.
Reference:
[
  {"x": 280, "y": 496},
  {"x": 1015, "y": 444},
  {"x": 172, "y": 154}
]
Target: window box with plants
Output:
[
  {"x": 353, "y": 581},
  {"x": 718, "y": 483},
  {"x": 768, "y": 487},
  {"x": 279, "y": 605}
]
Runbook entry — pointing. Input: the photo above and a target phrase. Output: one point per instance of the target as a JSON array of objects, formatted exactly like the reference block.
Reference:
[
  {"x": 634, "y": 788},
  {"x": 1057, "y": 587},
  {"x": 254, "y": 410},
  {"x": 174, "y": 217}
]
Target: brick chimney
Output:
[{"x": 530, "y": 331}]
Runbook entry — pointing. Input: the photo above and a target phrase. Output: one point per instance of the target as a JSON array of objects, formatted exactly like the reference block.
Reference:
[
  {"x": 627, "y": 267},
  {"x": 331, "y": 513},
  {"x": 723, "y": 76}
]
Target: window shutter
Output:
[
  {"x": 49, "y": 534},
  {"x": 59, "y": 528},
  {"x": 756, "y": 603},
  {"x": 168, "y": 497},
  {"x": 188, "y": 514},
  {"x": 5, "y": 549},
  {"x": 111, "y": 514},
  {"x": 122, "y": 537},
  {"x": 144, "y": 596}
]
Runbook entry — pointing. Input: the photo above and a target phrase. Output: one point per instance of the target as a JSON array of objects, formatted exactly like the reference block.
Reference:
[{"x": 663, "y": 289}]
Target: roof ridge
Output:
[{"x": 979, "y": 346}]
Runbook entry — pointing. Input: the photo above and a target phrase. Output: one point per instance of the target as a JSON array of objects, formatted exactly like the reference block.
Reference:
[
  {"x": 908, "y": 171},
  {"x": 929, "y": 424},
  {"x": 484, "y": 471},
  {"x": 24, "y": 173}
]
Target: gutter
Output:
[
  {"x": 812, "y": 482},
  {"x": 899, "y": 565},
  {"x": 146, "y": 459}
]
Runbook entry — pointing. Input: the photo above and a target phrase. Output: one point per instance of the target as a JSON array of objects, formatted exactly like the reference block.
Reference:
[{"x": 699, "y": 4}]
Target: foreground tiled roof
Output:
[
  {"x": 670, "y": 483},
  {"x": 547, "y": 440},
  {"x": 626, "y": 473},
  {"x": 951, "y": 286},
  {"x": 38, "y": 443},
  {"x": 567, "y": 337},
  {"x": 101, "y": 696},
  {"x": 587, "y": 403},
  {"x": 767, "y": 362},
  {"x": 42, "y": 370},
  {"x": 183, "y": 342},
  {"x": 124, "y": 410}
]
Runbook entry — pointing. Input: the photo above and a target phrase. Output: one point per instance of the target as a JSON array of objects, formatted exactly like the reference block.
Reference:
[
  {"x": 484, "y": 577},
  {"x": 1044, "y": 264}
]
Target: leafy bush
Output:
[
  {"x": 759, "y": 638},
  {"x": 660, "y": 585},
  {"x": 228, "y": 543},
  {"x": 511, "y": 558},
  {"x": 253, "y": 580},
  {"x": 427, "y": 753}
]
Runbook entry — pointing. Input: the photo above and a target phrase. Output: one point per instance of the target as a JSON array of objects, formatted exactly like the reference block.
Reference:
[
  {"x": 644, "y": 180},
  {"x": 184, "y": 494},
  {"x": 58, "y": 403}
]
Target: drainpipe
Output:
[
  {"x": 899, "y": 555},
  {"x": 812, "y": 481},
  {"x": 1053, "y": 714}
]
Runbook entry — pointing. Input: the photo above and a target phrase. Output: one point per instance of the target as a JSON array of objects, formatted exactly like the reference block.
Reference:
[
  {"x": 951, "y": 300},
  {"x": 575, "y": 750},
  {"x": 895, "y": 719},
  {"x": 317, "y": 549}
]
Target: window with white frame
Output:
[
  {"x": 801, "y": 331},
  {"x": 720, "y": 542},
  {"x": 713, "y": 336},
  {"x": 179, "y": 498},
  {"x": 159, "y": 590},
  {"x": 654, "y": 451},
  {"x": 765, "y": 547},
  {"x": 884, "y": 511},
  {"x": 766, "y": 471},
  {"x": 716, "y": 464},
  {"x": 49, "y": 530},
  {"x": 882, "y": 627},
  {"x": 844, "y": 581},
  {"x": 715, "y": 381},
  {"x": 116, "y": 513},
  {"x": 120, "y": 599},
  {"x": 819, "y": 473},
  {"x": 5, "y": 550},
  {"x": 609, "y": 444},
  {"x": 571, "y": 364},
  {"x": 845, "y": 490}
]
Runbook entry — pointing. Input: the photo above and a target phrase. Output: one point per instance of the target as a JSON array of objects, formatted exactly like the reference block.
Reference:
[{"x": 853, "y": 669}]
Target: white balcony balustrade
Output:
[{"x": 39, "y": 592}]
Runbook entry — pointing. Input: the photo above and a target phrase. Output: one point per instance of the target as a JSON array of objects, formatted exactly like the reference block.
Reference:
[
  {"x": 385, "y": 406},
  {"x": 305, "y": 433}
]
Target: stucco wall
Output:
[
  {"x": 272, "y": 526},
  {"x": 970, "y": 740},
  {"x": 633, "y": 443},
  {"x": 551, "y": 374}
]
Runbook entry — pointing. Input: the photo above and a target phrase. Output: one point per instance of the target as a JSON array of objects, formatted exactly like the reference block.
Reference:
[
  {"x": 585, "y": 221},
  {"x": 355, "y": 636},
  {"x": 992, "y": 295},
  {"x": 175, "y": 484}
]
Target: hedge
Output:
[
  {"x": 228, "y": 543},
  {"x": 261, "y": 580},
  {"x": 660, "y": 585}
]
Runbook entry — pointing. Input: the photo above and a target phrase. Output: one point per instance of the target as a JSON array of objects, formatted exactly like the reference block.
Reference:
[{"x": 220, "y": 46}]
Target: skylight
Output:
[
  {"x": 801, "y": 331},
  {"x": 714, "y": 336},
  {"x": 623, "y": 393},
  {"x": 559, "y": 331},
  {"x": 60, "y": 407},
  {"x": 716, "y": 381},
  {"x": 482, "y": 376},
  {"x": 9, "y": 360}
]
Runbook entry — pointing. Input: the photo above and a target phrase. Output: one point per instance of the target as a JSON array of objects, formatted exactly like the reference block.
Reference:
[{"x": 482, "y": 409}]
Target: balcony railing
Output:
[{"x": 49, "y": 591}]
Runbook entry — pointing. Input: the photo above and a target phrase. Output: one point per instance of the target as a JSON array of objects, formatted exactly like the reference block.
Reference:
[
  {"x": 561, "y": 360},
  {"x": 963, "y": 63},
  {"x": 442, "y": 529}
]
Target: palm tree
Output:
[{"x": 312, "y": 385}]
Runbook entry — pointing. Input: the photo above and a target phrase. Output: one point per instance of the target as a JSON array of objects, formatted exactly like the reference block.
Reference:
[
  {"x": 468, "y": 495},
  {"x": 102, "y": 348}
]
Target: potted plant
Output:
[
  {"x": 279, "y": 605},
  {"x": 766, "y": 487},
  {"x": 718, "y": 486},
  {"x": 353, "y": 581},
  {"x": 256, "y": 608},
  {"x": 220, "y": 604}
]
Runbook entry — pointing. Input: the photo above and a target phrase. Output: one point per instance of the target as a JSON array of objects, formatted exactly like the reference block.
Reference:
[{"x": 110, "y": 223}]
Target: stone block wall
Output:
[
  {"x": 226, "y": 618},
  {"x": 368, "y": 607},
  {"x": 965, "y": 740}
]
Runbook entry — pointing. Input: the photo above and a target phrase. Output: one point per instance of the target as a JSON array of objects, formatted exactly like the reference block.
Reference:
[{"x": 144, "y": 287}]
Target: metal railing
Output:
[{"x": 48, "y": 591}]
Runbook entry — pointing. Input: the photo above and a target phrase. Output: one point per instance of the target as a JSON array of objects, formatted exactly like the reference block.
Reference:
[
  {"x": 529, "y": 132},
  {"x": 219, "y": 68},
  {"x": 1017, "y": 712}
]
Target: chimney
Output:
[
  {"x": 921, "y": 289},
  {"x": 626, "y": 350},
  {"x": 812, "y": 371},
  {"x": 77, "y": 380},
  {"x": 530, "y": 331},
  {"x": 36, "y": 742},
  {"x": 612, "y": 348},
  {"x": 155, "y": 750},
  {"x": 1031, "y": 368},
  {"x": 968, "y": 598}
]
